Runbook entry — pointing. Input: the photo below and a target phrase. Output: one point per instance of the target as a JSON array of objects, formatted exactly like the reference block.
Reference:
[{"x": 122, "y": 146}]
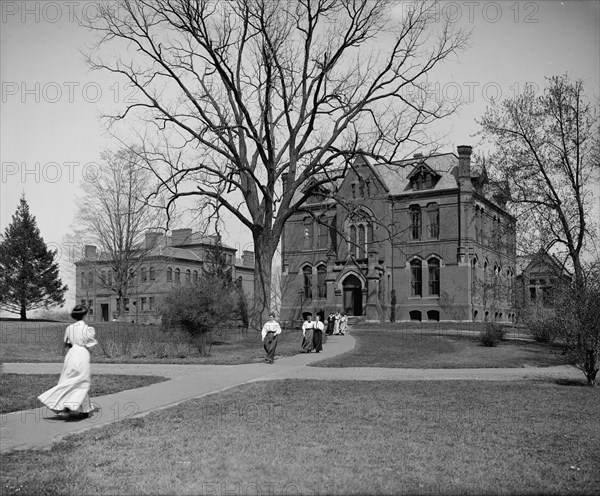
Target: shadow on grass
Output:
[{"x": 571, "y": 382}]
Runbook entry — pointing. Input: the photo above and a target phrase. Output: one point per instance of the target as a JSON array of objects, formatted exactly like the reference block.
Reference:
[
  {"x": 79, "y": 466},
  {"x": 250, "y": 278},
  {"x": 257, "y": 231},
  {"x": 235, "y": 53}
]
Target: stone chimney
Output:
[
  {"x": 464, "y": 161},
  {"x": 153, "y": 239},
  {"x": 418, "y": 155},
  {"x": 248, "y": 258},
  {"x": 90, "y": 252},
  {"x": 181, "y": 237}
]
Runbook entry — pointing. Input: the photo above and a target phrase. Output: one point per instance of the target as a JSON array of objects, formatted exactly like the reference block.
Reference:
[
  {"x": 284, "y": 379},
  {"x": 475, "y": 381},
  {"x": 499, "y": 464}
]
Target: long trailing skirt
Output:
[
  {"x": 72, "y": 390},
  {"x": 318, "y": 340},
  {"x": 307, "y": 342}
]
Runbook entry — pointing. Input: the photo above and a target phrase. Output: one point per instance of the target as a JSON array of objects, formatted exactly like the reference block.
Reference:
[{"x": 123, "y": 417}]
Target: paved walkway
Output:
[{"x": 39, "y": 428}]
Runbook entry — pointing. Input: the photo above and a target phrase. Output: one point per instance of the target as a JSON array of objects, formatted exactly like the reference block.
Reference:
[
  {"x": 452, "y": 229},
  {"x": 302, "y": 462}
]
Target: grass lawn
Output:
[
  {"x": 20, "y": 391},
  {"x": 408, "y": 349},
  {"x": 130, "y": 343},
  {"x": 336, "y": 437}
]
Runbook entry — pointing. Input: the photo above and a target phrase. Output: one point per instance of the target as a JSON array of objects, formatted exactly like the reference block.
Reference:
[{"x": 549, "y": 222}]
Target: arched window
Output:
[
  {"x": 433, "y": 221},
  {"x": 152, "y": 274},
  {"x": 415, "y": 315},
  {"x": 353, "y": 241},
  {"x": 307, "y": 273},
  {"x": 415, "y": 221},
  {"x": 321, "y": 284},
  {"x": 177, "y": 276},
  {"x": 91, "y": 279},
  {"x": 131, "y": 279},
  {"x": 103, "y": 277},
  {"x": 416, "y": 281},
  {"x": 433, "y": 315},
  {"x": 188, "y": 276},
  {"x": 308, "y": 233},
  {"x": 83, "y": 280},
  {"x": 169, "y": 274},
  {"x": 362, "y": 241},
  {"x": 144, "y": 274},
  {"x": 195, "y": 276},
  {"x": 110, "y": 277},
  {"x": 434, "y": 276}
]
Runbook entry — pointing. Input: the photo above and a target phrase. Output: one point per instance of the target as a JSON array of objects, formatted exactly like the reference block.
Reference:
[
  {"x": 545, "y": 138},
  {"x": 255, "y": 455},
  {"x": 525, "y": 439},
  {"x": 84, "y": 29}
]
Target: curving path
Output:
[{"x": 40, "y": 428}]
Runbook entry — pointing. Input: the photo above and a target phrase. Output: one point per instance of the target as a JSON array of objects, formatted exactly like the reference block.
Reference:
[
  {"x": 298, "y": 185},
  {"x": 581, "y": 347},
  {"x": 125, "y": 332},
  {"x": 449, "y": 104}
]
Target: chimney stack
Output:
[
  {"x": 418, "y": 155},
  {"x": 248, "y": 258},
  {"x": 464, "y": 161},
  {"x": 90, "y": 252},
  {"x": 181, "y": 237},
  {"x": 152, "y": 239}
]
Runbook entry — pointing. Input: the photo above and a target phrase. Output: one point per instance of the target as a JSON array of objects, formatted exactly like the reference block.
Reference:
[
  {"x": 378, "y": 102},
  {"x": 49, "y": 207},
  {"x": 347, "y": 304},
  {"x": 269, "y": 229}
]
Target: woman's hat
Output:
[{"x": 78, "y": 311}]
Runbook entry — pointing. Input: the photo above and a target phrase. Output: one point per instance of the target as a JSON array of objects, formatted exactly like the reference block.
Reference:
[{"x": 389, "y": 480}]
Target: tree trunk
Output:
[
  {"x": 23, "y": 312},
  {"x": 264, "y": 251}
]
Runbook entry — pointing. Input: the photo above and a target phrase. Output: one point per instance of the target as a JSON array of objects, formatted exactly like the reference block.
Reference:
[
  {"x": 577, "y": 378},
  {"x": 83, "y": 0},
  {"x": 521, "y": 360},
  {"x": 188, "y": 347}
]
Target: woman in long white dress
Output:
[{"x": 71, "y": 394}]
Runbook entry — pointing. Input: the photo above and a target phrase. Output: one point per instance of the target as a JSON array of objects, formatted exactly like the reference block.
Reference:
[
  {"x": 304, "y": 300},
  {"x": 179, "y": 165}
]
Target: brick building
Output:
[
  {"x": 164, "y": 263},
  {"x": 431, "y": 228}
]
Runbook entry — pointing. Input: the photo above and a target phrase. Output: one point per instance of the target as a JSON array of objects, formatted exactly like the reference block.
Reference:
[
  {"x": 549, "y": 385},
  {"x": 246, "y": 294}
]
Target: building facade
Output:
[
  {"x": 163, "y": 263},
  {"x": 427, "y": 238}
]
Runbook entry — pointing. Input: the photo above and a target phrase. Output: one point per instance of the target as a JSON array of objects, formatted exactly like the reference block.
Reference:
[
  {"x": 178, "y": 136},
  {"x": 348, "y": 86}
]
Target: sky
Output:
[{"x": 52, "y": 133}]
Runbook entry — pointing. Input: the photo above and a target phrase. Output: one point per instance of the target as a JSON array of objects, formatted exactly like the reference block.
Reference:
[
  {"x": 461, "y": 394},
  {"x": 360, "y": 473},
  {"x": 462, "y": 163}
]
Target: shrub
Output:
[
  {"x": 199, "y": 309},
  {"x": 491, "y": 334},
  {"x": 543, "y": 331}
]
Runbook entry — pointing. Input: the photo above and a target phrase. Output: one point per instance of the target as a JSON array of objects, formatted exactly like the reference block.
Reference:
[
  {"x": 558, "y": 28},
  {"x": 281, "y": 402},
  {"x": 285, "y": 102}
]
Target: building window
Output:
[
  {"x": 177, "y": 276},
  {"x": 151, "y": 303},
  {"x": 90, "y": 306},
  {"x": 83, "y": 280},
  {"x": 110, "y": 277},
  {"x": 321, "y": 284},
  {"x": 151, "y": 274},
  {"x": 126, "y": 304},
  {"x": 169, "y": 274},
  {"x": 131, "y": 279},
  {"x": 91, "y": 279},
  {"x": 415, "y": 315},
  {"x": 143, "y": 303},
  {"x": 307, "y": 272},
  {"x": 195, "y": 276},
  {"x": 362, "y": 241},
  {"x": 434, "y": 276},
  {"x": 144, "y": 274},
  {"x": 103, "y": 277},
  {"x": 433, "y": 218},
  {"x": 308, "y": 233},
  {"x": 188, "y": 276},
  {"x": 415, "y": 221},
  {"x": 353, "y": 190},
  {"x": 353, "y": 241},
  {"x": 433, "y": 315},
  {"x": 323, "y": 232},
  {"x": 416, "y": 283}
]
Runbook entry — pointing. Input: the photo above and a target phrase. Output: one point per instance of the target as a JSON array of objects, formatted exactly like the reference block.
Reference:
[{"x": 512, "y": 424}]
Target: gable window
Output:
[
  {"x": 433, "y": 220},
  {"x": 414, "y": 212},
  {"x": 307, "y": 273},
  {"x": 434, "y": 276},
  {"x": 321, "y": 284},
  {"x": 353, "y": 240},
  {"x": 308, "y": 233},
  {"x": 362, "y": 252},
  {"x": 152, "y": 274},
  {"x": 416, "y": 282}
]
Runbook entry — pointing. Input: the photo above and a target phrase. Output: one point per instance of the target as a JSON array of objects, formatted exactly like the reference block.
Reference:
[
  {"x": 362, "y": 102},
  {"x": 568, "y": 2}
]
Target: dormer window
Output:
[{"x": 423, "y": 177}]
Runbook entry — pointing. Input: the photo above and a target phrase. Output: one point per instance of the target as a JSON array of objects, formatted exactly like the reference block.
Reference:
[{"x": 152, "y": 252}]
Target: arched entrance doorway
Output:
[{"x": 352, "y": 295}]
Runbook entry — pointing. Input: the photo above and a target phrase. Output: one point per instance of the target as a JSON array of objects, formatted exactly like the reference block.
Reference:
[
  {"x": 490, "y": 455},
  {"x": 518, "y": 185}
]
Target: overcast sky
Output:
[{"x": 51, "y": 132}]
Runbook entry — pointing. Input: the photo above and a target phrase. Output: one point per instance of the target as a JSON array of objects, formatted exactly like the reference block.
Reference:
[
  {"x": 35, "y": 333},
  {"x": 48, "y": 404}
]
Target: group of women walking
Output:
[{"x": 312, "y": 330}]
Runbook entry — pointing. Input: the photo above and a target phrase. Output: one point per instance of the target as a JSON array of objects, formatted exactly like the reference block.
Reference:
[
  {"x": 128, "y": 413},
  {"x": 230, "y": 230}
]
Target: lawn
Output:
[
  {"x": 130, "y": 343},
  {"x": 20, "y": 391},
  {"x": 336, "y": 437},
  {"x": 409, "y": 349}
]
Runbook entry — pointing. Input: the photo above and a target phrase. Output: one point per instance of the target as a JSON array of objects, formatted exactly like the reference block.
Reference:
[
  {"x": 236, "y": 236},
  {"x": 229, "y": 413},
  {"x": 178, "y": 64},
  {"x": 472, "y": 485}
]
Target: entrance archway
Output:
[{"x": 352, "y": 295}]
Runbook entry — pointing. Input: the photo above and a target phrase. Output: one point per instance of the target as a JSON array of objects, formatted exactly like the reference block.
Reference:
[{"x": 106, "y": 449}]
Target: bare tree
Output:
[
  {"x": 250, "y": 99},
  {"x": 547, "y": 150},
  {"x": 114, "y": 215}
]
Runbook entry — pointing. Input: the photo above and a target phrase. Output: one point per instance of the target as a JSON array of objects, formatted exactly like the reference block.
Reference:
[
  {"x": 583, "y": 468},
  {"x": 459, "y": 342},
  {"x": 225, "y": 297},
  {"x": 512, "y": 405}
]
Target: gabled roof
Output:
[{"x": 543, "y": 258}]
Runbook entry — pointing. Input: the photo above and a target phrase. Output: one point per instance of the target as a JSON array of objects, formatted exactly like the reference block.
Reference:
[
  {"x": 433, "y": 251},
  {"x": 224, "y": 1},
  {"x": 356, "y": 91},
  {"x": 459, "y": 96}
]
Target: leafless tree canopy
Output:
[
  {"x": 246, "y": 100},
  {"x": 114, "y": 215},
  {"x": 547, "y": 151}
]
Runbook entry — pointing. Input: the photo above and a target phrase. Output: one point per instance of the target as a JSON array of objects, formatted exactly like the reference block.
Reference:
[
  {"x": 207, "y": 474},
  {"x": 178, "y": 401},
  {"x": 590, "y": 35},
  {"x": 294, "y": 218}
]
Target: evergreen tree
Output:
[{"x": 28, "y": 271}]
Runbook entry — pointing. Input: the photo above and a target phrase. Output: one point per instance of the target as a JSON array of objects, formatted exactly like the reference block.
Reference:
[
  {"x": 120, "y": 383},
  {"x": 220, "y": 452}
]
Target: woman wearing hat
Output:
[
  {"x": 307, "y": 333},
  {"x": 71, "y": 394}
]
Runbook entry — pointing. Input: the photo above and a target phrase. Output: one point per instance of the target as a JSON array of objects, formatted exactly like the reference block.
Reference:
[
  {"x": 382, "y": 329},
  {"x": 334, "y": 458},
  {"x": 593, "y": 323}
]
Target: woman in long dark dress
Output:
[
  {"x": 318, "y": 334},
  {"x": 330, "y": 322}
]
